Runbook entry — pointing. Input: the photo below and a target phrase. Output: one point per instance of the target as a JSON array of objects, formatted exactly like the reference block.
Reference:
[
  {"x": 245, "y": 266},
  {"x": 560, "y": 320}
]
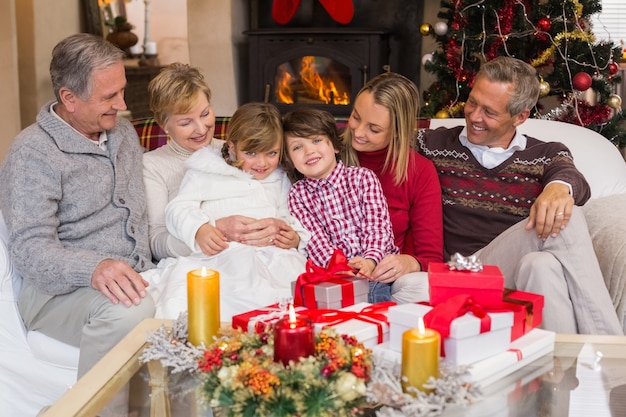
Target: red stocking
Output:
[
  {"x": 284, "y": 10},
  {"x": 340, "y": 10}
]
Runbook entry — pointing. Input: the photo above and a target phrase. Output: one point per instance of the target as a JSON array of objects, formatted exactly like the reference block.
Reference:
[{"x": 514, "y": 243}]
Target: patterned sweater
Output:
[{"x": 480, "y": 203}]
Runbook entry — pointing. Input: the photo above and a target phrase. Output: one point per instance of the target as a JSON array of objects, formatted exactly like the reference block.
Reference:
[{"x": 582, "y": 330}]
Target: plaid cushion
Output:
[{"x": 151, "y": 136}]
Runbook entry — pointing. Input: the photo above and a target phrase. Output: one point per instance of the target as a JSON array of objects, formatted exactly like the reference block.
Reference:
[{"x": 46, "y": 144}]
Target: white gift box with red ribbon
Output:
[
  {"x": 524, "y": 350},
  {"x": 367, "y": 322},
  {"x": 259, "y": 320},
  {"x": 466, "y": 343}
]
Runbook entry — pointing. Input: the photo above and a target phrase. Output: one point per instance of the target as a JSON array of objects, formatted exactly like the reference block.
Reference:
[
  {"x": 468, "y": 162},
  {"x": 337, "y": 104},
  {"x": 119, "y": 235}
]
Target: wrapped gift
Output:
[
  {"x": 532, "y": 303},
  {"x": 258, "y": 321},
  {"x": 445, "y": 280},
  {"x": 529, "y": 348},
  {"x": 519, "y": 319},
  {"x": 469, "y": 337},
  {"x": 333, "y": 287},
  {"x": 367, "y": 322}
]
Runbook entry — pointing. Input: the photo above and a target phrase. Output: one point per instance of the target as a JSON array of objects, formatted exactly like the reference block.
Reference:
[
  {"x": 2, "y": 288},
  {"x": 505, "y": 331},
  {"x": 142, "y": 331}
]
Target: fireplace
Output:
[{"x": 319, "y": 67}]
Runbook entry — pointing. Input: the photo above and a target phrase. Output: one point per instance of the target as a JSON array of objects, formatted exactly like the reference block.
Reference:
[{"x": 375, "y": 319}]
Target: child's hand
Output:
[
  {"x": 364, "y": 266},
  {"x": 210, "y": 240},
  {"x": 286, "y": 238}
]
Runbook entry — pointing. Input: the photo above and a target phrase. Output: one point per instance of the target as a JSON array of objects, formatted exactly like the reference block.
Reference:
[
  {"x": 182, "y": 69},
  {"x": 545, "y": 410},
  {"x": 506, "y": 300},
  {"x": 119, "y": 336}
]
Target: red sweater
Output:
[
  {"x": 480, "y": 203},
  {"x": 414, "y": 206}
]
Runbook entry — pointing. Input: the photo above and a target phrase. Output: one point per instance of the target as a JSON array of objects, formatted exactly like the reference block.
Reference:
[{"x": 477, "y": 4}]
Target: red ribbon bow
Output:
[
  {"x": 338, "y": 268},
  {"x": 371, "y": 314},
  {"x": 442, "y": 315}
]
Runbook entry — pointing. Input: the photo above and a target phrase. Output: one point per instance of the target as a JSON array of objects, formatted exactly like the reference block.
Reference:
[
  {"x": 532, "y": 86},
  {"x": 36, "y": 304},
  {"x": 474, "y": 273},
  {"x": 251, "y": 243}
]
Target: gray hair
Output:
[
  {"x": 76, "y": 57},
  {"x": 521, "y": 75}
]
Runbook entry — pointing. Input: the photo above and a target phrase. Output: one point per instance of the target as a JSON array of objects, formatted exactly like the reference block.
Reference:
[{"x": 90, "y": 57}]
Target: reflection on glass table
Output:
[{"x": 585, "y": 376}]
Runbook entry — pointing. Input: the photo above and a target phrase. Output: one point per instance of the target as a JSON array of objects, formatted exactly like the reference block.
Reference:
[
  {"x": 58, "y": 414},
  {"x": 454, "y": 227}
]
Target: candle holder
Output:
[{"x": 203, "y": 302}]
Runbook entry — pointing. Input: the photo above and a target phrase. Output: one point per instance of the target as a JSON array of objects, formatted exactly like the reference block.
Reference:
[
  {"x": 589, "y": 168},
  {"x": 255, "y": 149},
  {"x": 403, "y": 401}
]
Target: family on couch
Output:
[{"x": 82, "y": 227}]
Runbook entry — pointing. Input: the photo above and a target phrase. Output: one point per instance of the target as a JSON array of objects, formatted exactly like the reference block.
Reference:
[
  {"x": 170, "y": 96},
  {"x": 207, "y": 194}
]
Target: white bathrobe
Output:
[{"x": 250, "y": 277}]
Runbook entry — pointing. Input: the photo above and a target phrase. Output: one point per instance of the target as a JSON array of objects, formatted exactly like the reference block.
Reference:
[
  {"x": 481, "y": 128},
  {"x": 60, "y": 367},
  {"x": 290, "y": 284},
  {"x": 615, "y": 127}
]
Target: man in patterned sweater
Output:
[{"x": 511, "y": 200}]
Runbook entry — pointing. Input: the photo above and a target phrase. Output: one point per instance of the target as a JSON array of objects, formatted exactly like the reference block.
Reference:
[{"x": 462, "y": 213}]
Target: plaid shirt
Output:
[{"x": 346, "y": 210}]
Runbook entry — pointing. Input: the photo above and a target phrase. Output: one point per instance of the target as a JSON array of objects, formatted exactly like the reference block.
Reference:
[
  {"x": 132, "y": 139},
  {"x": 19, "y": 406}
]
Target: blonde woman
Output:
[{"x": 379, "y": 136}]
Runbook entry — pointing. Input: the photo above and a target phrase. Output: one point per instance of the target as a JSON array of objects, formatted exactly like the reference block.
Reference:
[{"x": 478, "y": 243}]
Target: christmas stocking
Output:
[
  {"x": 284, "y": 10},
  {"x": 340, "y": 10}
]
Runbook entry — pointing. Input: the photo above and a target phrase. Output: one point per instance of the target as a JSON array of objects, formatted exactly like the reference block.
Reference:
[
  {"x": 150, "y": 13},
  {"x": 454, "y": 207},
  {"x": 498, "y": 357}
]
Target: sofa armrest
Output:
[{"x": 607, "y": 227}]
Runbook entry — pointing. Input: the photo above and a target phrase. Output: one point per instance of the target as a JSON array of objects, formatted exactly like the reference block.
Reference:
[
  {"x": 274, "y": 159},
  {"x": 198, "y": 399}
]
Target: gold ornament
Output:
[
  {"x": 544, "y": 88},
  {"x": 614, "y": 101},
  {"x": 425, "y": 29},
  {"x": 442, "y": 114}
]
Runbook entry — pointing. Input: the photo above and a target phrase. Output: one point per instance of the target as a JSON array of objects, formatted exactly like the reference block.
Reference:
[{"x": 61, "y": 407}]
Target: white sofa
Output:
[
  {"x": 35, "y": 370},
  {"x": 605, "y": 170}
]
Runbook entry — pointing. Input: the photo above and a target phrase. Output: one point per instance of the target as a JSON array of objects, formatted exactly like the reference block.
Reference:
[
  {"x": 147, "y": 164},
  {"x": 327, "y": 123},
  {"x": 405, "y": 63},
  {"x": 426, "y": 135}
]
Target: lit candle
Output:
[
  {"x": 293, "y": 338},
  {"x": 420, "y": 356},
  {"x": 203, "y": 303}
]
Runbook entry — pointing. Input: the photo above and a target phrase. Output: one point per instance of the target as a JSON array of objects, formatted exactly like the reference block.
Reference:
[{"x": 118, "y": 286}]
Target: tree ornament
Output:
[
  {"x": 613, "y": 68},
  {"x": 544, "y": 88},
  {"x": 441, "y": 28},
  {"x": 427, "y": 58},
  {"x": 614, "y": 101},
  {"x": 581, "y": 81},
  {"x": 425, "y": 29},
  {"x": 544, "y": 24},
  {"x": 442, "y": 114}
]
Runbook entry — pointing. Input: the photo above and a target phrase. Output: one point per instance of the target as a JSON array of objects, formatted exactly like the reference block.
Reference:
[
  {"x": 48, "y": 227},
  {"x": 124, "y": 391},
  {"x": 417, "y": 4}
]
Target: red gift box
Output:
[
  {"x": 486, "y": 286},
  {"x": 532, "y": 303},
  {"x": 258, "y": 321},
  {"x": 333, "y": 287}
]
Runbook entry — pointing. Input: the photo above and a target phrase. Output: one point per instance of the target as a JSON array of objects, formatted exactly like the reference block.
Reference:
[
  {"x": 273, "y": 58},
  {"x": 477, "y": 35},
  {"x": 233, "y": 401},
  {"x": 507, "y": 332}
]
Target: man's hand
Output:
[
  {"x": 119, "y": 282},
  {"x": 551, "y": 211},
  {"x": 210, "y": 240}
]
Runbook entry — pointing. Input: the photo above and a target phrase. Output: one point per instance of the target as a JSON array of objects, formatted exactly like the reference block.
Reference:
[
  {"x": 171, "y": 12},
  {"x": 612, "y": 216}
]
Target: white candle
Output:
[
  {"x": 136, "y": 50},
  {"x": 150, "y": 48}
]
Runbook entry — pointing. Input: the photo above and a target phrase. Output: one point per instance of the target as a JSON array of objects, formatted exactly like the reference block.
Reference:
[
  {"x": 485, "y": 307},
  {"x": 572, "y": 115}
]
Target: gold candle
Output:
[
  {"x": 203, "y": 303},
  {"x": 420, "y": 356}
]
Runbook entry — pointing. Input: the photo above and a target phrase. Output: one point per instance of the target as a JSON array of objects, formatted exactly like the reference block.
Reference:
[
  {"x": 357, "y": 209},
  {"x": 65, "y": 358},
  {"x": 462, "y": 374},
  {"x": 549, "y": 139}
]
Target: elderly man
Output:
[
  {"x": 512, "y": 199},
  {"x": 73, "y": 200}
]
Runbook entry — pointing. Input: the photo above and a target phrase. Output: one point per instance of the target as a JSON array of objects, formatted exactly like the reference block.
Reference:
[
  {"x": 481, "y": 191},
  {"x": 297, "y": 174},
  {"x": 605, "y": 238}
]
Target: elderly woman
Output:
[{"x": 181, "y": 102}]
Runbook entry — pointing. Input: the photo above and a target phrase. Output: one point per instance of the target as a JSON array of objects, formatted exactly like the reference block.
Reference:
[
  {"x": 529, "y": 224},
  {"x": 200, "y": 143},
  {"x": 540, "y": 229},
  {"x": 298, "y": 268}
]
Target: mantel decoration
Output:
[{"x": 239, "y": 377}]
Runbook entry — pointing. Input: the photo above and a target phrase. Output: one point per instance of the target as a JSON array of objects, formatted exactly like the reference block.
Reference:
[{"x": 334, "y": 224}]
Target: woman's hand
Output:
[
  {"x": 210, "y": 240},
  {"x": 263, "y": 232},
  {"x": 391, "y": 267}
]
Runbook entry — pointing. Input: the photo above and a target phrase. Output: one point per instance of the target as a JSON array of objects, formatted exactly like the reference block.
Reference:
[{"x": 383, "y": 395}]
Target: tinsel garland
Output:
[
  {"x": 384, "y": 391},
  {"x": 573, "y": 35}
]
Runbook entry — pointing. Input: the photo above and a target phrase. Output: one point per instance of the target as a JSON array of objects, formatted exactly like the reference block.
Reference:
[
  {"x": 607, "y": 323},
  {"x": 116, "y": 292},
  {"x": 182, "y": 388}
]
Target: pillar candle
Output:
[
  {"x": 293, "y": 338},
  {"x": 150, "y": 48},
  {"x": 420, "y": 356},
  {"x": 203, "y": 302}
]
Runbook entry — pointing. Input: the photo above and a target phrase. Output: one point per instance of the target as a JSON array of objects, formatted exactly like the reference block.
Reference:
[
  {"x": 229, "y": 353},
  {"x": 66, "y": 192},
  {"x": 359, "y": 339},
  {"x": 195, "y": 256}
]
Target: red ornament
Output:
[
  {"x": 581, "y": 81},
  {"x": 544, "y": 24},
  {"x": 613, "y": 68}
]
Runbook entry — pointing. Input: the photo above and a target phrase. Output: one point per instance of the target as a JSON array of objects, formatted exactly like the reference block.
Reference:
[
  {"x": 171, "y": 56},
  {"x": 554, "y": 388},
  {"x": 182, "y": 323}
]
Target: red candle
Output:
[{"x": 293, "y": 338}]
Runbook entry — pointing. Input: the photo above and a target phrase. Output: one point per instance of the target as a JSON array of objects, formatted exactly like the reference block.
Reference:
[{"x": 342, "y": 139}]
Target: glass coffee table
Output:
[{"x": 586, "y": 376}]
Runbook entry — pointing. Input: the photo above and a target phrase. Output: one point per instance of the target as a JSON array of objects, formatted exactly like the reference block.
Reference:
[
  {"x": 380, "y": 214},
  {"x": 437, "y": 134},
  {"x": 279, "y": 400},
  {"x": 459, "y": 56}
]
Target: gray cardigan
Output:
[{"x": 69, "y": 205}]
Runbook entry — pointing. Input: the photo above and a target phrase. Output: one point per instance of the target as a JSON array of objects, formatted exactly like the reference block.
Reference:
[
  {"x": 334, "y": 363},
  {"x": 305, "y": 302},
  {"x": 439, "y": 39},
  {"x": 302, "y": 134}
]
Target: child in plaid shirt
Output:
[{"x": 342, "y": 206}]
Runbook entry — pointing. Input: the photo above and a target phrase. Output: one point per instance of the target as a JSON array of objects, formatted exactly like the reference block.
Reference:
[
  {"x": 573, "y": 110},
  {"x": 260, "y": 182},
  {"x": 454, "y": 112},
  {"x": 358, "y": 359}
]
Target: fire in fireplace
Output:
[
  {"x": 313, "y": 80},
  {"x": 320, "y": 67}
]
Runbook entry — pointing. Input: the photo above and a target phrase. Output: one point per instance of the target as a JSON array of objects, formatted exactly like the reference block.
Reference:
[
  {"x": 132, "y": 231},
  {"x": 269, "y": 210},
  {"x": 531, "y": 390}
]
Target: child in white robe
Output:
[{"x": 244, "y": 180}]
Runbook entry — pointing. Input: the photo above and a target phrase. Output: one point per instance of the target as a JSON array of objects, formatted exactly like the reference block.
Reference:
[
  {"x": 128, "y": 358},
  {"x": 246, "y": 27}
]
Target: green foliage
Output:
[{"x": 555, "y": 36}]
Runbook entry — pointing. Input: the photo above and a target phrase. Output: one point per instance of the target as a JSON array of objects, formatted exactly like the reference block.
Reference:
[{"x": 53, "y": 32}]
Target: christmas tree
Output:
[{"x": 554, "y": 36}]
